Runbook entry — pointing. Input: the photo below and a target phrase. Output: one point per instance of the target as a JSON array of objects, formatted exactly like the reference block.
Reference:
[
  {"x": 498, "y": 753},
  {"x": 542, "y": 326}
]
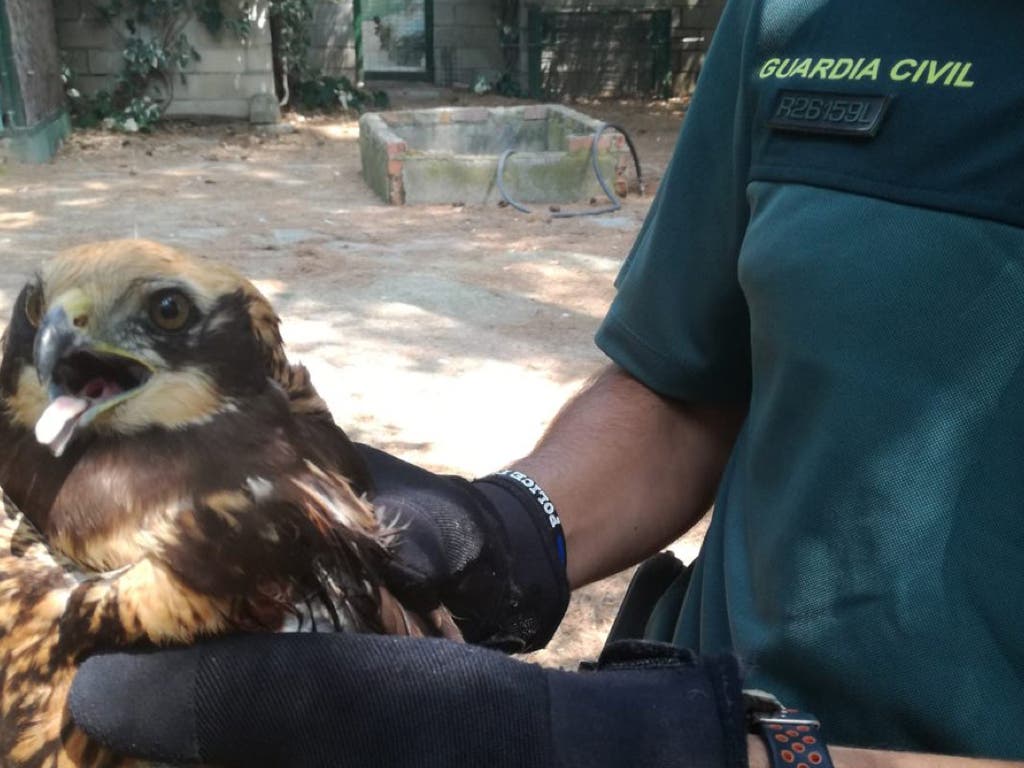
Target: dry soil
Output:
[{"x": 449, "y": 335}]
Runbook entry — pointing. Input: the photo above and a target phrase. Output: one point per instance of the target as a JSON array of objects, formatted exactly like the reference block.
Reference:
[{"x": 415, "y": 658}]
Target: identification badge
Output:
[{"x": 833, "y": 114}]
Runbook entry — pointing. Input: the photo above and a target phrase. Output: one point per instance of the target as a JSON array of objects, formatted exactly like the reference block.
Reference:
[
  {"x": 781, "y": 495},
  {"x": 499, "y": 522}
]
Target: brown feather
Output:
[{"x": 240, "y": 508}]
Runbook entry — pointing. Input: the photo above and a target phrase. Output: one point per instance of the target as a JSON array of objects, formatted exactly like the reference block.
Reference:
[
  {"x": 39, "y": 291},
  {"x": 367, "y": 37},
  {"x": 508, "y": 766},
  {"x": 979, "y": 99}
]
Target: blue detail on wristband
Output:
[{"x": 546, "y": 504}]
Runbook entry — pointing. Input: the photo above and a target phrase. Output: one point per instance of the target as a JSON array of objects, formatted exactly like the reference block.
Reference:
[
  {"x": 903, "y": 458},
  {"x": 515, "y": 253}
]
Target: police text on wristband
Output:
[{"x": 545, "y": 503}]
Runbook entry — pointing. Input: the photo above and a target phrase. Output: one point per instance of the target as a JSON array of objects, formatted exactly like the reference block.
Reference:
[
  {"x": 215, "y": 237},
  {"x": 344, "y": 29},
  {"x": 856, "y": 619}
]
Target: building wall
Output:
[
  {"x": 468, "y": 46},
  {"x": 222, "y": 83},
  {"x": 693, "y": 25}
]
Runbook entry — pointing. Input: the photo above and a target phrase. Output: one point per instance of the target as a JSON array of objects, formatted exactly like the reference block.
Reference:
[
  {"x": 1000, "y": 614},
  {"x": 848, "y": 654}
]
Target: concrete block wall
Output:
[
  {"x": 90, "y": 47},
  {"x": 222, "y": 83},
  {"x": 451, "y": 154},
  {"x": 693, "y": 26}
]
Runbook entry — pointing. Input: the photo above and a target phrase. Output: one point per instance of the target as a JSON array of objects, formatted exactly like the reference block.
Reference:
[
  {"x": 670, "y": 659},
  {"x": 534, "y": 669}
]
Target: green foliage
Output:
[
  {"x": 312, "y": 90},
  {"x": 155, "y": 51},
  {"x": 138, "y": 114},
  {"x": 290, "y": 20},
  {"x": 508, "y": 85},
  {"x": 110, "y": 108},
  {"x": 331, "y": 93},
  {"x": 145, "y": 58}
]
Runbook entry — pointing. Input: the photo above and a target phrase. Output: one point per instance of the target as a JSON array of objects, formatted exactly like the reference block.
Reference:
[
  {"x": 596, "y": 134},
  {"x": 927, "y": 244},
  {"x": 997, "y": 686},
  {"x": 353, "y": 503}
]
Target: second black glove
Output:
[
  {"x": 298, "y": 701},
  {"x": 490, "y": 550}
]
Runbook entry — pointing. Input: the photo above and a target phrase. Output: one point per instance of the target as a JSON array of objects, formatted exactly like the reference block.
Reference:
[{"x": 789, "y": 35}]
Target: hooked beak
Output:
[
  {"x": 55, "y": 338},
  {"x": 83, "y": 378}
]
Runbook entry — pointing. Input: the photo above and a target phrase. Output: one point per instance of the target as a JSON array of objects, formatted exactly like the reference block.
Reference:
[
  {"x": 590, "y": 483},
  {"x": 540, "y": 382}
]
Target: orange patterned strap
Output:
[{"x": 793, "y": 739}]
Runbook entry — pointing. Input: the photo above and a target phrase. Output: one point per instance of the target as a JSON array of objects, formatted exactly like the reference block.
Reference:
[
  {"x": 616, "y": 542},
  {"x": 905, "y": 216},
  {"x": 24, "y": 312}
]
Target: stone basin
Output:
[{"x": 450, "y": 155}]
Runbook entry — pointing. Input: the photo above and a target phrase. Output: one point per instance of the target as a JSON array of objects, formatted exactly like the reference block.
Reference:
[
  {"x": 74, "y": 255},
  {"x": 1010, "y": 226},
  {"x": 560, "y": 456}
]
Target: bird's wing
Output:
[
  {"x": 322, "y": 441},
  {"x": 38, "y": 651},
  {"x": 292, "y": 553},
  {"x": 256, "y": 558}
]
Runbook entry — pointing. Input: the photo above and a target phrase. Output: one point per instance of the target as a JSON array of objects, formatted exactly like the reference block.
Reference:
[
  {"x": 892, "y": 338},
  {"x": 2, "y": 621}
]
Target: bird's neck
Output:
[{"x": 98, "y": 501}]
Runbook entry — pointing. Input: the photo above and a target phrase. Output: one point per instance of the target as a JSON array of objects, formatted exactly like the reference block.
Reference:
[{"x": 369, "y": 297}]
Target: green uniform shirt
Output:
[{"x": 866, "y": 297}]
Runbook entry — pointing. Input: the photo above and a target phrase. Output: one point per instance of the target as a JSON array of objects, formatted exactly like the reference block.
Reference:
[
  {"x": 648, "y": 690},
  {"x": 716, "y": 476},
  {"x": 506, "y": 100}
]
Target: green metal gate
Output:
[
  {"x": 395, "y": 39},
  {"x": 603, "y": 52}
]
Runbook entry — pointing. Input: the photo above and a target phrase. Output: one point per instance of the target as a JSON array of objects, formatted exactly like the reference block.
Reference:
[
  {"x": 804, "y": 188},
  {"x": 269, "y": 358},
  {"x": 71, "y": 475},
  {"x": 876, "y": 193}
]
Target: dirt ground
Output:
[{"x": 448, "y": 335}]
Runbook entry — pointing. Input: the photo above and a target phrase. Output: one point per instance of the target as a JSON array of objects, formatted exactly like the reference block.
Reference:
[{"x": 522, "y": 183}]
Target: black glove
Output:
[
  {"x": 362, "y": 700},
  {"x": 491, "y": 550}
]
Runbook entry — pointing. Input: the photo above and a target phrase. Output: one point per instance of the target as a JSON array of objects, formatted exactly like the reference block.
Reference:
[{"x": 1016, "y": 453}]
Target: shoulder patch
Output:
[{"x": 824, "y": 112}]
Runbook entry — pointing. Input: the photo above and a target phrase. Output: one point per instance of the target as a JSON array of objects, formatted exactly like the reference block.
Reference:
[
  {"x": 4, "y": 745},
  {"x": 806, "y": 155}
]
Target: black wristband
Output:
[
  {"x": 540, "y": 586},
  {"x": 547, "y": 506}
]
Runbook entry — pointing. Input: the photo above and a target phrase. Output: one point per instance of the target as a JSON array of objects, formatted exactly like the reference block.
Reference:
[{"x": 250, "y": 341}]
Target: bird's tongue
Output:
[{"x": 57, "y": 424}]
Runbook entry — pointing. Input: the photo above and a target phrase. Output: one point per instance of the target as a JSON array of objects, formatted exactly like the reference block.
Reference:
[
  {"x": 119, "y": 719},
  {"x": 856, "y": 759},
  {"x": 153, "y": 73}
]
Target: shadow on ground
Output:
[{"x": 449, "y": 335}]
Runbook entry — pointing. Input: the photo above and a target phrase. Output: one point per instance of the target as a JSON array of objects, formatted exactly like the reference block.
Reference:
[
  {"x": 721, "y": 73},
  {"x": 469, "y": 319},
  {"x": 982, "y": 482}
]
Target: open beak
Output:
[
  {"x": 56, "y": 337},
  {"x": 82, "y": 377}
]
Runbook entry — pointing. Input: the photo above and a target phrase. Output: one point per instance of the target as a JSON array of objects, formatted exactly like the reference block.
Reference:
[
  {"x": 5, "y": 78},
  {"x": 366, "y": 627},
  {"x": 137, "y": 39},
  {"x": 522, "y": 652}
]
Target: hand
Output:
[
  {"x": 360, "y": 700},
  {"x": 486, "y": 549}
]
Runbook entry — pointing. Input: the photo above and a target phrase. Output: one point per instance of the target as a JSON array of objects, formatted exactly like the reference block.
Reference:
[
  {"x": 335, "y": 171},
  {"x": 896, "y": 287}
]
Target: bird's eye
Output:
[
  {"x": 170, "y": 309},
  {"x": 33, "y": 305}
]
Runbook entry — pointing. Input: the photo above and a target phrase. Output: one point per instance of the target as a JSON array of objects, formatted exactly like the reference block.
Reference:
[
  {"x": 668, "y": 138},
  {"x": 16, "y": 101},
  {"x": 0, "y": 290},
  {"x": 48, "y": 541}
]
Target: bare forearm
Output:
[
  {"x": 628, "y": 470},
  {"x": 849, "y": 757}
]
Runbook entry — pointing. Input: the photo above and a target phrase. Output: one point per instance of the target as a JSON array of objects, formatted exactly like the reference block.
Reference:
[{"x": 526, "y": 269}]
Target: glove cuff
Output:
[
  {"x": 540, "y": 587},
  {"x": 517, "y": 482}
]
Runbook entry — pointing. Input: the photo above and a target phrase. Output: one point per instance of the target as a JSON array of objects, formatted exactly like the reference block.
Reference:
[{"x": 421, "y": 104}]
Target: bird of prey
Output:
[{"x": 167, "y": 474}]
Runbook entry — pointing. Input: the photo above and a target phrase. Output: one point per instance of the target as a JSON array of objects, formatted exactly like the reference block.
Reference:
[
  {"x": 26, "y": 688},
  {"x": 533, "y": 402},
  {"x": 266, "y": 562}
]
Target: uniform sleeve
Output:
[{"x": 679, "y": 321}]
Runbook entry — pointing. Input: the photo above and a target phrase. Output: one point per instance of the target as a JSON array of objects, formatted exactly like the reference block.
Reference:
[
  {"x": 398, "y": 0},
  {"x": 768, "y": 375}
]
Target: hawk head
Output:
[
  {"x": 121, "y": 337},
  {"x": 136, "y": 381}
]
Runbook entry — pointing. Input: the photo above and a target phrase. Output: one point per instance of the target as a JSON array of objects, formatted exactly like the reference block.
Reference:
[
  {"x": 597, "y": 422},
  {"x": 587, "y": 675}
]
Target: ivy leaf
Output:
[
  {"x": 107, "y": 12},
  {"x": 212, "y": 17},
  {"x": 152, "y": 54}
]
